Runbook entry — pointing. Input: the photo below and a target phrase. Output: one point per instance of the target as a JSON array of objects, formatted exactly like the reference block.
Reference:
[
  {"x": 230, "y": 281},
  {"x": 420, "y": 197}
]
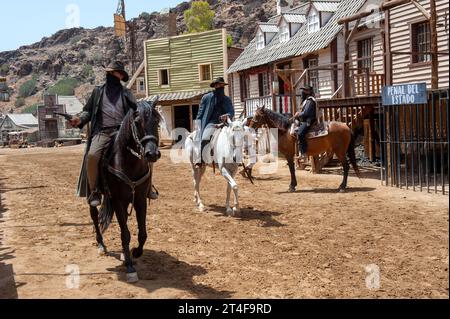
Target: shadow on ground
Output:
[{"x": 158, "y": 270}]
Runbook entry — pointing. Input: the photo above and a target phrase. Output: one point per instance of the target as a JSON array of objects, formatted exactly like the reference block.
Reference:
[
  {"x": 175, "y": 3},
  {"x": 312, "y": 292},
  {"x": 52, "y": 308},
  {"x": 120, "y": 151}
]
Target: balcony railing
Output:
[
  {"x": 367, "y": 84},
  {"x": 252, "y": 104}
]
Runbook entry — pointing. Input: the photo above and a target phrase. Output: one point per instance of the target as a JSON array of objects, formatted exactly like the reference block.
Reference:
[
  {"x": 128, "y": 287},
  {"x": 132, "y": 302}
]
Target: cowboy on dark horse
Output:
[
  {"x": 105, "y": 110},
  {"x": 307, "y": 117},
  {"x": 215, "y": 107}
]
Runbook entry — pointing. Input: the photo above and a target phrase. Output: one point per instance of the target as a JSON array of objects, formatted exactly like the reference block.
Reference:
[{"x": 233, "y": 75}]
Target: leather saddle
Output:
[{"x": 317, "y": 130}]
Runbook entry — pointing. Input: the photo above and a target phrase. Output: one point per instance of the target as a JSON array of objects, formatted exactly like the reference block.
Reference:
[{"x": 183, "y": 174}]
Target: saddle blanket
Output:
[{"x": 316, "y": 131}]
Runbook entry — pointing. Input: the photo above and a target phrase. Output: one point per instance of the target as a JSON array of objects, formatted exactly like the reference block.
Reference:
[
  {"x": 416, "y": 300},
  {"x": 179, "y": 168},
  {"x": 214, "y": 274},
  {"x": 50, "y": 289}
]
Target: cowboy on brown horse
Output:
[{"x": 307, "y": 117}]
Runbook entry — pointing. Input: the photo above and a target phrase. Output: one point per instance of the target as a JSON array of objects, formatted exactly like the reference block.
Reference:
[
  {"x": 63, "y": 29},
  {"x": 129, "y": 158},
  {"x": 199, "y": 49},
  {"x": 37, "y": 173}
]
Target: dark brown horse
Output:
[
  {"x": 339, "y": 141},
  {"x": 128, "y": 179}
]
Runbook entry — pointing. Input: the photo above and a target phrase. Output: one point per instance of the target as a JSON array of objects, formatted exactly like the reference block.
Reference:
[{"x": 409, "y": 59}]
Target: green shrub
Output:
[
  {"x": 145, "y": 15},
  {"x": 76, "y": 39},
  {"x": 87, "y": 71},
  {"x": 82, "y": 55},
  {"x": 97, "y": 58},
  {"x": 32, "y": 109},
  {"x": 28, "y": 88},
  {"x": 64, "y": 87},
  {"x": 4, "y": 69},
  {"x": 20, "y": 101}
]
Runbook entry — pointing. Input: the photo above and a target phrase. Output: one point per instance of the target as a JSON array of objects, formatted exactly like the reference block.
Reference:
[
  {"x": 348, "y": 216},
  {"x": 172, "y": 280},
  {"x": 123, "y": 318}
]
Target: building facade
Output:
[
  {"x": 179, "y": 70},
  {"x": 16, "y": 123}
]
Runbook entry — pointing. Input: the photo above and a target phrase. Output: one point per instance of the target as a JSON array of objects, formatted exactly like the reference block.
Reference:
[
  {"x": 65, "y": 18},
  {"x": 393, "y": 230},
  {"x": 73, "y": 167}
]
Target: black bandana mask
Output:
[
  {"x": 219, "y": 93},
  {"x": 113, "y": 88}
]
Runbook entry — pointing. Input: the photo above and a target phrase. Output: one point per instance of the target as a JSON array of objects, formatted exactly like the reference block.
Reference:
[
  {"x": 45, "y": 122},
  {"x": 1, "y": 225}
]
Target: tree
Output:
[
  {"x": 230, "y": 41},
  {"x": 199, "y": 17}
]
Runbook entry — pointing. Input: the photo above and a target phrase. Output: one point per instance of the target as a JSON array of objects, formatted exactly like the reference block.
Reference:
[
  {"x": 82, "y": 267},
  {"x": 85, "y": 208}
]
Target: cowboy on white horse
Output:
[{"x": 215, "y": 108}]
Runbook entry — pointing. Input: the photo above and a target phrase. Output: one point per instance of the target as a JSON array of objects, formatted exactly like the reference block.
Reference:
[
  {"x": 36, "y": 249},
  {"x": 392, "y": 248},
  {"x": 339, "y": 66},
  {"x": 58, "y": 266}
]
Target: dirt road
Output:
[{"x": 315, "y": 243}]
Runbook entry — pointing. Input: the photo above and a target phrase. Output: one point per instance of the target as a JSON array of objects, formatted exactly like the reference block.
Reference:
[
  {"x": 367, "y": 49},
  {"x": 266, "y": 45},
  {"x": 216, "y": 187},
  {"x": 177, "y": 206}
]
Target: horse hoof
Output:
[
  {"x": 236, "y": 211},
  {"x": 101, "y": 250},
  {"x": 230, "y": 212},
  {"x": 132, "y": 278},
  {"x": 342, "y": 190},
  {"x": 292, "y": 190},
  {"x": 122, "y": 257},
  {"x": 201, "y": 208}
]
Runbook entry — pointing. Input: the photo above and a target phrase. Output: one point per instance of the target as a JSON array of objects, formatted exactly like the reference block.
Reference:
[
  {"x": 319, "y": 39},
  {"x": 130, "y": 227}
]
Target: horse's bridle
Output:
[{"x": 140, "y": 142}]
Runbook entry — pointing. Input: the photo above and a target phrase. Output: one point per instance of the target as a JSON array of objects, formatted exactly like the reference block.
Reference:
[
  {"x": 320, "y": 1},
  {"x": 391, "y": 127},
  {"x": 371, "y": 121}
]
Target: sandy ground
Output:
[{"x": 315, "y": 243}]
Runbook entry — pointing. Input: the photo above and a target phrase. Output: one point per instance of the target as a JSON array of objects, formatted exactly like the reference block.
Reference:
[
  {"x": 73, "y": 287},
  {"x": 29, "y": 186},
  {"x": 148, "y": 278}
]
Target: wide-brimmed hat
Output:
[
  {"x": 118, "y": 66},
  {"x": 220, "y": 80},
  {"x": 307, "y": 87}
]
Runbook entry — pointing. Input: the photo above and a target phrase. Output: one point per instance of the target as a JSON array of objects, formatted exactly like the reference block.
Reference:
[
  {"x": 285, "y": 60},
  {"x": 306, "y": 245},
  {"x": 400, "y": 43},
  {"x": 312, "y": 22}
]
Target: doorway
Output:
[{"x": 182, "y": 118}]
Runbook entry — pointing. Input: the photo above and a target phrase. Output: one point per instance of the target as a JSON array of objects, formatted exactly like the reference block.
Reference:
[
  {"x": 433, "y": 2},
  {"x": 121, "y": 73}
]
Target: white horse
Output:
[{"x": 228, "y": 154}]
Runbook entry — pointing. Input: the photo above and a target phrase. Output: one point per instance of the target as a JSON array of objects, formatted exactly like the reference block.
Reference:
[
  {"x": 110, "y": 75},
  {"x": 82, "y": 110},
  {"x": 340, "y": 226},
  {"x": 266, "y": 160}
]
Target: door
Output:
[
  {"x": 51, "y": 128},
  {"x": 182, "y": 118}
]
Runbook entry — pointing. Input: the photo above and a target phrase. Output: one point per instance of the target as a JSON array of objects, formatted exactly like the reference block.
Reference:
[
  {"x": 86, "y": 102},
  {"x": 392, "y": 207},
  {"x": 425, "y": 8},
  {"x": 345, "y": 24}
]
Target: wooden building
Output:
[
  {"x": 179, "y": 70},
  {"x": 137, "y": 83},
  {"x": 54, "y": 127},
  {"x": 16, "y": 123}
]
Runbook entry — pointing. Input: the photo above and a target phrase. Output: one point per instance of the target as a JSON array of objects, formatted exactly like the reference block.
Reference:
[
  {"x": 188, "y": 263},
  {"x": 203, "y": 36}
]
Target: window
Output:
[
  {"x": 421, "y": 42},
  {"x": 365, "y": 52},
  {"x": 263, "y": 84},
  {"x": 284, "y": 31},
  {"x": 243, "y": 87},
  {"x": 140, "y": 85},
  {"x": 205, "y": 73},
  {"x": 314, "y": 74},
  {"x": 163, "y": 77},
  {"x": 313, "y": 21},
  {"x": 260, "y": 41}
]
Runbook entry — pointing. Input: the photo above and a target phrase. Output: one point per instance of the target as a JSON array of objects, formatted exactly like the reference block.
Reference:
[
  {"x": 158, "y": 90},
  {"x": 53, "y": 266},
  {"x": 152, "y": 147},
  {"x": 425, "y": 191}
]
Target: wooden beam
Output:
[
  {"x": 387, "y": 48},
  {"x": 434, "y": 46},
  {"x": 354, "y": 17},
  {"x": 300, "y": 79},
  {"x": 353, "y": 31},
  {"x": 421, "y": 9},
  {"x": 346, "y": 75},
  {"x": 387, "y": 5}
]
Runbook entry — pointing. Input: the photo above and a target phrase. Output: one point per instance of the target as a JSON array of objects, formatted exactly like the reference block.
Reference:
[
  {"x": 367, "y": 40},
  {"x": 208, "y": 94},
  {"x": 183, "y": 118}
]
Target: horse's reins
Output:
[{"x": 140, "y": 155}]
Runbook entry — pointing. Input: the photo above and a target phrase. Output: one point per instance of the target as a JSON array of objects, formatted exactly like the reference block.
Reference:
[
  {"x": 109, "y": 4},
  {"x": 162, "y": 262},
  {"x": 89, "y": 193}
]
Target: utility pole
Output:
[{"x": 126, "y": 30}]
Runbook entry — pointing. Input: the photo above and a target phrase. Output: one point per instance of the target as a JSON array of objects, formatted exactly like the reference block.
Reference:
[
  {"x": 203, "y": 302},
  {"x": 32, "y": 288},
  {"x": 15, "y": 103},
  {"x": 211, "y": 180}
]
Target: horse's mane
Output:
[
  {"x": 125, "y": 132},
  {"x": 281, "y": 121}
]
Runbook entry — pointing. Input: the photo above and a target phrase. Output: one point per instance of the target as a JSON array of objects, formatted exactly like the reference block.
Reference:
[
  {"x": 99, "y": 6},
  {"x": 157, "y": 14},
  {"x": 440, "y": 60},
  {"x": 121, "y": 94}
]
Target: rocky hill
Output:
[{"x": 79, "y": 53}]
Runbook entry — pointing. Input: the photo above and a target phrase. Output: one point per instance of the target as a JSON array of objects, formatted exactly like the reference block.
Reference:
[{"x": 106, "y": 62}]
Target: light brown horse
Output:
[{"x": 339, "y": 141}]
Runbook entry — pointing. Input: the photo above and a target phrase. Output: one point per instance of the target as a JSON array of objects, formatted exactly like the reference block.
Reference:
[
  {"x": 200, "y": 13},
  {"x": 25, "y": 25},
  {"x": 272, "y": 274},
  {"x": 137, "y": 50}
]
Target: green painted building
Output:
[{"x": 180, "y": 69}]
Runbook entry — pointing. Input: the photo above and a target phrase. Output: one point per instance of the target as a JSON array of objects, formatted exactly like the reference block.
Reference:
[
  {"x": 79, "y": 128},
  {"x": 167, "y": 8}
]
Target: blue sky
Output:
[{"x": 24, "y": 22}]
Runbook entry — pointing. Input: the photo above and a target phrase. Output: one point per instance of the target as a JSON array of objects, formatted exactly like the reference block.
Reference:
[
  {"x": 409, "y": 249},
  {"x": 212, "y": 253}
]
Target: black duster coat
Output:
[{"x": 92, "y": 114}]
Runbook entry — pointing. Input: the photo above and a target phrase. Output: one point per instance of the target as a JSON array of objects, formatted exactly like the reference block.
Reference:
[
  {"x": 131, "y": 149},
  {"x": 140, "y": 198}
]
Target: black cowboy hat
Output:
[
  {"x": 118, "y": 66},
  {"x": 307, "y": 87},
  {"x": 219, "y": 80}
]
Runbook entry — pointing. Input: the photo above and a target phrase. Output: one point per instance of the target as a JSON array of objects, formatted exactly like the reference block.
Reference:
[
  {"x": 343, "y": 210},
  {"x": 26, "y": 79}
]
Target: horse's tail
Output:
[
  {"x": 352, "y": 156},
  {"x": 106, "y": 214}
]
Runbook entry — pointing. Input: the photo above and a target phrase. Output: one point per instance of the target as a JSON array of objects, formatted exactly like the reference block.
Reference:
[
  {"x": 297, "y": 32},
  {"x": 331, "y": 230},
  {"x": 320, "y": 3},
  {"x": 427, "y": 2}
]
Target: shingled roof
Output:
[{"x": 302, "y": 42}]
